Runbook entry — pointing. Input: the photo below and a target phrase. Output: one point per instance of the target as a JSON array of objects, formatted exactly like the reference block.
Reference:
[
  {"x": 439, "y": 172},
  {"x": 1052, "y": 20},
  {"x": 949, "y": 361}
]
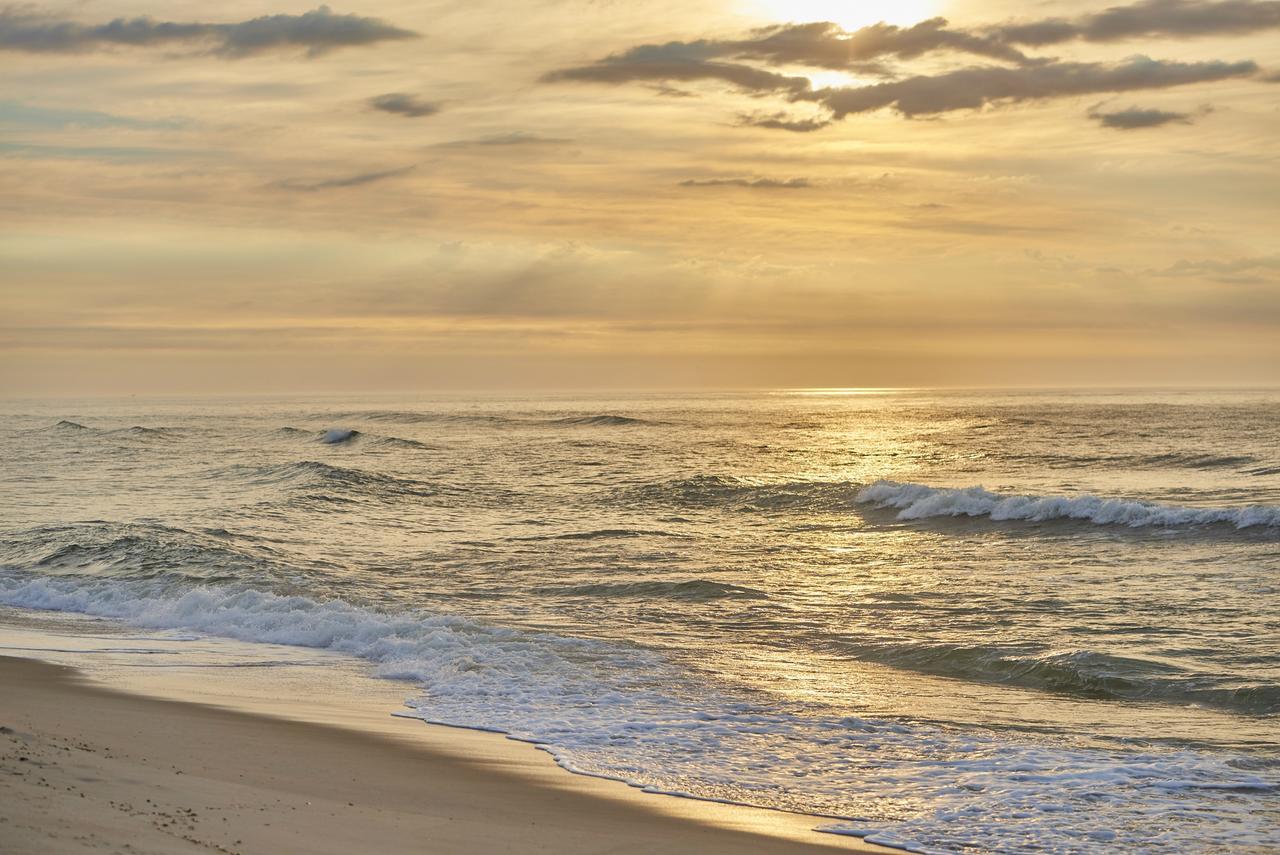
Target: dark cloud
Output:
[
  {"x": 1135, "y": 118},
  {"x": 826, "y": 45},
  {"x": 403, "y": 104},
  {"x": 339, "y": 183},
  {"x": 1167, "y": 18},
  {"x": 738, "y": 62},
  {"x": 781, "y": 122},
  {"x": 973, "y": 88},
  {"x": 760, "y": 183},
  {"x": 639, "y": 65},
  {"x": 318, "y": 31}
]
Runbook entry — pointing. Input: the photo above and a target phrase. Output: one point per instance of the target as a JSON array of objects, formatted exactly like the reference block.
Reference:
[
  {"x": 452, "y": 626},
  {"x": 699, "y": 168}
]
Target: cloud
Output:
[
  {"x": 318, "y": 31},
  {"x": 1135, "y": 118},
  {"x": 1229, "y": 270},
  {"x": 761, "y": 183},
  {"x": 511, "y": 138},
  {"x": 973, "y": 88},
  {"x": 404, "y": 104},
  {"x": 826, "y": 45},
  {"x": 339, "y": 183},
  {"x": 1169, "y": 18},
  {"x": 640, "y": 64},
  {"x": 781, "y": 122},
  {"x": 756, "y": 64},
  {"x": 17, "y": 114}
]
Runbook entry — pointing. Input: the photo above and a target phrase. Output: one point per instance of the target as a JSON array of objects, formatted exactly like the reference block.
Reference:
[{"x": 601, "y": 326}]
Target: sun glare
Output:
[{"x": 850, "y": 14}]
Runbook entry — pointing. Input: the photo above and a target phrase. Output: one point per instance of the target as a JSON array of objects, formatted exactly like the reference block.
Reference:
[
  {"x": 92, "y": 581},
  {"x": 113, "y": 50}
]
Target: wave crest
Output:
[{"x": 918, "y": 501}]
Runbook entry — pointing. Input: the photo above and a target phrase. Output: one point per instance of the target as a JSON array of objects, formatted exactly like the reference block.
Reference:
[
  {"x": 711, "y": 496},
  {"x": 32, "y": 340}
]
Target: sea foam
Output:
[
  {"x": 918, "y": 501},
  {"x": 625, "y": 713}
]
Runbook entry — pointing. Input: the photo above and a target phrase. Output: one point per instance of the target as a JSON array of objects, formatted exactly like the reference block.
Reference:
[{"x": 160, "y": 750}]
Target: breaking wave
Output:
[{"x": 918, "y": 501}]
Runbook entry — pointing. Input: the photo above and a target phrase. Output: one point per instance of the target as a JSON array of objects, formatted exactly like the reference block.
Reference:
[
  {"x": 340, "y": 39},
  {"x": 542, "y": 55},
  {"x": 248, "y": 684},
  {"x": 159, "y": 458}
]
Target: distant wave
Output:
[
  {"x": 690, "y": 589},
  {"x": 600, "y": 534},
  {"x": 334, "y": 436},
  {"x": 70, "y": 428},
  {"x": 344, "y": 436},
  {"x": 492, "y": 419},
  {"x": 747, "y": 494},
  {"x": 340, "y": 482},
  {"x": 600, "y": 421},
  {"x": 1083, "y": 673},
  {"x": 917, "y": 501}
]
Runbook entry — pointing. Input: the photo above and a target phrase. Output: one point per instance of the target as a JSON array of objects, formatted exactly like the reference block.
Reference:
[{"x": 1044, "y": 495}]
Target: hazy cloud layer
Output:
[
  {"x": 318, "y": 31},
  {"x": 346, "y": 181},
  {"x": 404, "y": 104},
  {"x": 1248, "y": 269},
  {"x": 511, "y": 138},
  {"x": 761, "y": 183}
]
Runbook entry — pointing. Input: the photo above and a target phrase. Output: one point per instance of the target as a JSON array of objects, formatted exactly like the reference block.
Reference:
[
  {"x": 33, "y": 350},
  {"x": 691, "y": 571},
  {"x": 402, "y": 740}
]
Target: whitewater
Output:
[{"x": 945, "y": 621}]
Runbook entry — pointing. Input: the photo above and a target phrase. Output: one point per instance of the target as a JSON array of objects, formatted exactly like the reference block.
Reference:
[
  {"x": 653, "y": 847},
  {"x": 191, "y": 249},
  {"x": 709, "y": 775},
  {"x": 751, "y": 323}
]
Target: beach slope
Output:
[{"x": 87, "y": 769}]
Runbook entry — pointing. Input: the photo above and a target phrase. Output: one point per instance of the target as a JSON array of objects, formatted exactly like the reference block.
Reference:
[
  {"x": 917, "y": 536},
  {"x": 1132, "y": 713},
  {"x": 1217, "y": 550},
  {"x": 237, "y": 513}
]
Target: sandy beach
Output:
[{"x": 85, "y": 768}]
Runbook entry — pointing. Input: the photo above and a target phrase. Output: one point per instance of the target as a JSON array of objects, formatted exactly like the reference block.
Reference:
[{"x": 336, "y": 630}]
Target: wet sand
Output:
[{"x": 87, "y": 768}]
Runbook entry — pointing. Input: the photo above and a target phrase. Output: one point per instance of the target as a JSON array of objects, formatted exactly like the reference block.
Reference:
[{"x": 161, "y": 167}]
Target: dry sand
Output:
[{"x": 86, "y": 768}]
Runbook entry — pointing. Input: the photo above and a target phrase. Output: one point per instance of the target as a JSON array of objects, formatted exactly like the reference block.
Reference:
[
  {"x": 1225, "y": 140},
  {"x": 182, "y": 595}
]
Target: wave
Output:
[
  {"x": 689, "y": 589},
  {"x": 747, "y": 494},
  {"x": 918, "y": 501},
  {"x": 1082, "y": 673},
  {"x": 139, "y": 550},
  {"x": 351, "y": 436},
  {"x": 600, "y": 534},
  {"x": 335, "y": 436},
  {"x": 492, "y": 419},
  {"x": 1198, "y": 461},
  {"x": 598, "y": 421},
  {"x": 340, "y": 481},
  {"x": 1170, "y": 460}
]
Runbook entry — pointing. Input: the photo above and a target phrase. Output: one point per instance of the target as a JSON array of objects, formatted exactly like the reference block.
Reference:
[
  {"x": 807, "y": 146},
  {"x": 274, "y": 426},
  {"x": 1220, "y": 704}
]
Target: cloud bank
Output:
[
  {"x": 1019, "y": 77},
  {"x": 318, "y": 32}
]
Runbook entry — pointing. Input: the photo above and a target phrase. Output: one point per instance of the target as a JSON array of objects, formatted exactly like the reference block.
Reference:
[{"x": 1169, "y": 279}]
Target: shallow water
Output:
[{"x": 796, "y": 600}]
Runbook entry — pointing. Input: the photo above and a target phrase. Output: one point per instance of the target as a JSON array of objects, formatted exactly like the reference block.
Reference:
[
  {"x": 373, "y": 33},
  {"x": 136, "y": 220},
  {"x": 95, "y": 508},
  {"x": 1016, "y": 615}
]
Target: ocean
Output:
[{"x": 948, "y": 621}]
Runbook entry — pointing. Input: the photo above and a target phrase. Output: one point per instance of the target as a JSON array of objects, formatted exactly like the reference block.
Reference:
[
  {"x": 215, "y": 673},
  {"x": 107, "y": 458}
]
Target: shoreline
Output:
[{"x": 223, "y": 760}]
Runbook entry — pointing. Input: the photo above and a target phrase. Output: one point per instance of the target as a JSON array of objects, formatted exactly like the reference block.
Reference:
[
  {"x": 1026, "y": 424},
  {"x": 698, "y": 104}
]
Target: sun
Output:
[{"x": 849, "y": 14}]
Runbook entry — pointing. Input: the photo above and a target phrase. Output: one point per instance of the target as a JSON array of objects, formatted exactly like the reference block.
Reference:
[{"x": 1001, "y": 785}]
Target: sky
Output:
[{"x": 279, "y": 197}]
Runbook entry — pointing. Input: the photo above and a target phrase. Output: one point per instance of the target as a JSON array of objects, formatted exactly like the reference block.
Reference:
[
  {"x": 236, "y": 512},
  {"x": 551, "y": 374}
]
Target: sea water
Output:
[{"x": 946, "y": 621}]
